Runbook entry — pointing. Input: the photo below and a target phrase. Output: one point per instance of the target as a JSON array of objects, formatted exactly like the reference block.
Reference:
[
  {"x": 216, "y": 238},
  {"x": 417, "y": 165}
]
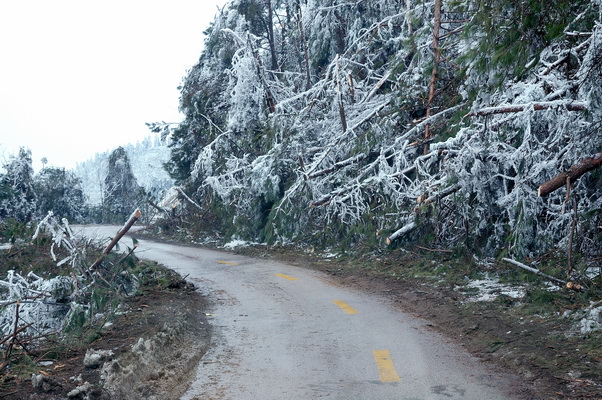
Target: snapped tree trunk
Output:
[
  {"x": 400, "y": 232},
  {"x": 130, "y": 222},
  {"x": 574, "y": 173}
]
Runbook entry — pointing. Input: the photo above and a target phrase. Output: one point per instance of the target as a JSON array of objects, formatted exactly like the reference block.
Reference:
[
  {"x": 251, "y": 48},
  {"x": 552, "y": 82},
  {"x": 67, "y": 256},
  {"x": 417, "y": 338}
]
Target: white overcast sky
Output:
[{"x": 80, "y": 76}]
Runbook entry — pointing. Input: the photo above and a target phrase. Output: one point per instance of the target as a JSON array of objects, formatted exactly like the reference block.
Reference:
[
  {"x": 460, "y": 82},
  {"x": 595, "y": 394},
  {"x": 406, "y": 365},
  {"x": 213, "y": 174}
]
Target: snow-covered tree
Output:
[
  {"x": 146, "y": 159},
  {"x": 17, "y": 195},
  {"x": 121, "y": 190},
  {"x": 59, "y": 191}
]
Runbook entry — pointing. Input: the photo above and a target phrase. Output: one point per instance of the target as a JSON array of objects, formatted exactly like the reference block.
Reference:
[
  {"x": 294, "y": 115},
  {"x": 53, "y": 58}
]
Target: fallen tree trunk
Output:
[
  {"x": 130, "y": 222},
  {"x": 194, "y": 203},
  {"x": 574, "y": 173},
  {"x": 442, "y": 194},
  {"x": 400, "y": 232},
  {"x": 536, "y": 271}
]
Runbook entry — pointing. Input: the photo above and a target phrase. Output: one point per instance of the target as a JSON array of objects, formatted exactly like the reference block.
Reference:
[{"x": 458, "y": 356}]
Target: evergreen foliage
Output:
[
  {"x": 17, "y": 195},
  {"x": 59, "y": 191}
]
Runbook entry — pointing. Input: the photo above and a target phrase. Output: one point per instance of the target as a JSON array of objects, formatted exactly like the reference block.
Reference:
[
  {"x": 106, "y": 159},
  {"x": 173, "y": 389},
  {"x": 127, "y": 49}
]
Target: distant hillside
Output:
[{"x": 146, "y": 157}]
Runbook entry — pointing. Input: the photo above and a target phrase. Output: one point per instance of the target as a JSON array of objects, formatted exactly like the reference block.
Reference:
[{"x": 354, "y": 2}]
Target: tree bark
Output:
[
  {"x": 437, "y": 57},
  {"x": 271, "y": 39},
  {"x": 574, "y": 173}
]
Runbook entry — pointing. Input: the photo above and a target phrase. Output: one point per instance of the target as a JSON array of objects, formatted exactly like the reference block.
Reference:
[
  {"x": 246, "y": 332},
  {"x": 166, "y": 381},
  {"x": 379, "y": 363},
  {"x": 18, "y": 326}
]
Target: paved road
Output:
[{"x": 284, "y": 332}]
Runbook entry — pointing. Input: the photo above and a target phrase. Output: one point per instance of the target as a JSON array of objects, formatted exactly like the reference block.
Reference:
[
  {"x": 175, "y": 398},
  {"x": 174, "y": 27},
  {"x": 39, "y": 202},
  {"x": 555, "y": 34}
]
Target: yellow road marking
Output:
[
  {"x": 386, "y": 369},
  {"x": 226, "y": 262},
  {"x": 346, "y": 307},
  {"x": 290, "y": 278}
]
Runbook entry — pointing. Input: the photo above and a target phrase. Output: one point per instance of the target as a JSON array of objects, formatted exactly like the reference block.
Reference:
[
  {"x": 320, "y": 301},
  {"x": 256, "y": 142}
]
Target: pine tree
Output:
[{"x": 59, "y": 191}]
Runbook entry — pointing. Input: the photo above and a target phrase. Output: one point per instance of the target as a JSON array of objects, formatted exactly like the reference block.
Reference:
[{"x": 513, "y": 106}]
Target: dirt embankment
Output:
[{"x": 150, "y": 351}]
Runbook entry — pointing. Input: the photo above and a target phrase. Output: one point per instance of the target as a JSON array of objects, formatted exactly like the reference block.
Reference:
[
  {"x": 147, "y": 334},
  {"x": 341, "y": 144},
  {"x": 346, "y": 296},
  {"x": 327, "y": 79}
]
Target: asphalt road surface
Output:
[{"x": 284, "y": 332}]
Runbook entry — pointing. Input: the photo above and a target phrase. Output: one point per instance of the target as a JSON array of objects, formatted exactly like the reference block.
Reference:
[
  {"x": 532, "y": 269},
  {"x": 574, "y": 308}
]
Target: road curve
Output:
[{"x": 284, "y": 332}]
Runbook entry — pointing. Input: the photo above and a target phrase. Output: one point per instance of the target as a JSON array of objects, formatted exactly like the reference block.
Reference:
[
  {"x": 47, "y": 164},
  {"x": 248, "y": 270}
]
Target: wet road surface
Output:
[{"x": 284, "y": 332}]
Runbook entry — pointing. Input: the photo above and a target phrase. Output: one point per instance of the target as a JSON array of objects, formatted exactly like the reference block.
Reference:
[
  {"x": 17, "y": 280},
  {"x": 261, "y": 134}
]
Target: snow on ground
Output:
[
  {"x": 5, "y": 246},
  {"x": 490, "y": 288},
  {"x": 589, "y": 319},
  {"x": 239, "y": 243}
]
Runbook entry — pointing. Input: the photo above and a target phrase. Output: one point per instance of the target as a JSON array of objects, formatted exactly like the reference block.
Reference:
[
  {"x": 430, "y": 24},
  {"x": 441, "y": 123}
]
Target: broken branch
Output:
[
  {"x": 131, "y": 221},
  {"x": 575, "y": 172},
  {"x": 441, "y": 194},
  {"x": 513, "y": 108},
  {"x": 535, "y": 271}
]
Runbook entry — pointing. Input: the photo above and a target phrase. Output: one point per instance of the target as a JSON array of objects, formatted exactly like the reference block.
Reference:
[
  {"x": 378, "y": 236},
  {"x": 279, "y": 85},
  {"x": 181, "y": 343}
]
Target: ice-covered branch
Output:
[{"x": 569, "y": 105}]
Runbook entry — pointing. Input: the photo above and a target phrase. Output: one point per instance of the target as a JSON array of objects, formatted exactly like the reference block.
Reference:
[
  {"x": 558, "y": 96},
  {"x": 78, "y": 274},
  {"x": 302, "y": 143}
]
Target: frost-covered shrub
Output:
[
  {"x": 17, "y": 195},
  {"x": 47, "y": 314}
]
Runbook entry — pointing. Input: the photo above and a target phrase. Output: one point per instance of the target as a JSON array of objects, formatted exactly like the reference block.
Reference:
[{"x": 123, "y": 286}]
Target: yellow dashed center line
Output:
[
  {"x": 226, "y": 262},
  {"x": 346, "y": 307},
  {"x": 386, "y": 369},
  {"x": 290, "y": 278}
]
